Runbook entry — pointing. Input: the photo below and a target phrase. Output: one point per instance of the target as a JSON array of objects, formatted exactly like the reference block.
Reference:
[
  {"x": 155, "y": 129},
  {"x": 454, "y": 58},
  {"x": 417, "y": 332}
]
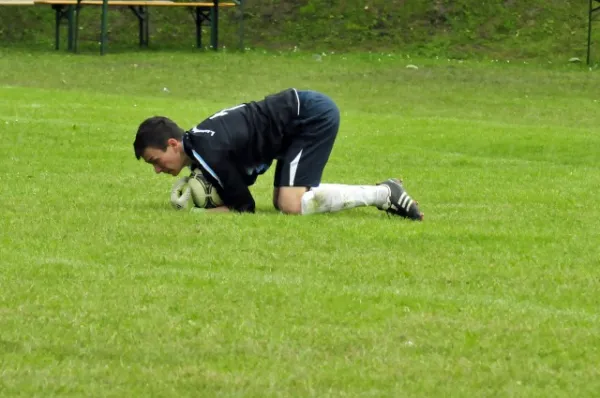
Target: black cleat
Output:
[{"x": 399, "y": 203}]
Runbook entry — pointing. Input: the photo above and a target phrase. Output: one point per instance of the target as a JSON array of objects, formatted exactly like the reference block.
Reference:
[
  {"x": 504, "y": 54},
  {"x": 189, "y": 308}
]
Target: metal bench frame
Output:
[{"x": 592, "y": 10}]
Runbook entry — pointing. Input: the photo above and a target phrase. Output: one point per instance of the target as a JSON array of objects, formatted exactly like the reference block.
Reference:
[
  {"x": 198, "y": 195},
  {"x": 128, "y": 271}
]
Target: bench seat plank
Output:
[{"x": 157, "y": 3}]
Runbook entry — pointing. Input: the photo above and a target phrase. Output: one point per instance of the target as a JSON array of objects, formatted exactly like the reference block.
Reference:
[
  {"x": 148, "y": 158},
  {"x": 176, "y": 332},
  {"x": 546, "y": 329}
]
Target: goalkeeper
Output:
[{"x": 294, "y": 128}]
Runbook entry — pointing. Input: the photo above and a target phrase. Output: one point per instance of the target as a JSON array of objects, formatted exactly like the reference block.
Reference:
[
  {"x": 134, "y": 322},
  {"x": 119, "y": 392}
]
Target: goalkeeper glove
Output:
[{"x": 181, "y": 194}]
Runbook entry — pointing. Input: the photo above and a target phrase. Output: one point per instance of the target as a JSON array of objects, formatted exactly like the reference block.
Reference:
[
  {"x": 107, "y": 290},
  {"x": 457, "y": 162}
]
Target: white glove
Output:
[{"x": 181, "y": 193}]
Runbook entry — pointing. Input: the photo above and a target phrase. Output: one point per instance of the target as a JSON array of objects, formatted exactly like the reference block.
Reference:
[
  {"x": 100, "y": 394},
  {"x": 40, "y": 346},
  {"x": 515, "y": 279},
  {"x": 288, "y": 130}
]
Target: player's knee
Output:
[
  {"x": 289, "y": 200},
  {"x": 289, "y": 206}
]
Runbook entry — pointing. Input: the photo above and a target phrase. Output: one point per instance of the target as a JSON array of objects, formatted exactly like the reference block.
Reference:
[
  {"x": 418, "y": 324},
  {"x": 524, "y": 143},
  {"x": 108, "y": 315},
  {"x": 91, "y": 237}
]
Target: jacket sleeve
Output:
[{"x": 230, "y": 183}]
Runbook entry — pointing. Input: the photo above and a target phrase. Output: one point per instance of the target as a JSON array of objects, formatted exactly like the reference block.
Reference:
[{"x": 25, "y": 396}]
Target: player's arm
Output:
[
  {"x": 211, "y": 155},
  {"x": 231, "y": 186},
  {"x": 220, "y": 209}
]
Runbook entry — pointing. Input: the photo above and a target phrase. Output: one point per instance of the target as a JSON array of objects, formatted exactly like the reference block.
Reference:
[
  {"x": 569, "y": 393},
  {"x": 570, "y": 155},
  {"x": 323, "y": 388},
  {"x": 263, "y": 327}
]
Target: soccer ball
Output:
[{"x": 204, "y": 194}]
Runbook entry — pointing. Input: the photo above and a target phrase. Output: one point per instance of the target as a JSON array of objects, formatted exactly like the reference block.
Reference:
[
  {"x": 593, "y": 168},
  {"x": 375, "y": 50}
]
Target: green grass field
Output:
[{"x": 105, "y": 291}]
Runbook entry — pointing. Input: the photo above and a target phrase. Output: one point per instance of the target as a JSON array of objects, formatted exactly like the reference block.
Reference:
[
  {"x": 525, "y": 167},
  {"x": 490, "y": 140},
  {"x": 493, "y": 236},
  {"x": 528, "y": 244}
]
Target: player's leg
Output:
[
  {"x": 289, "y": 199},
  {"x": 298, "y": 188},
  {"x": 336, "y": 197},
  {"x": 389, "y": 196},
  {"x": 293, "y": 178},
  {"x": 327, "y": 198},
  {"x": 299, "y": 172},
  {"x": 301, "y": 166}
]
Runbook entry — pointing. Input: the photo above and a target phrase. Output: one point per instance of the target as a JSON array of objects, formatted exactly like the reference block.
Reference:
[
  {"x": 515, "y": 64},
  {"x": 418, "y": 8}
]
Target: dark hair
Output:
[{"x": 154, "y": 132}]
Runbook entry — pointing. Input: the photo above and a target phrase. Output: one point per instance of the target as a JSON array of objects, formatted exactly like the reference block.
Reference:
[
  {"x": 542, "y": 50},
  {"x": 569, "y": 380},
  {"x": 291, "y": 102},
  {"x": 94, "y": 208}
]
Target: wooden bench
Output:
[
  {"x": 16, "y": 2},
  {"x": 594, "y": 7},
  {"x": 69, "y": 10}
]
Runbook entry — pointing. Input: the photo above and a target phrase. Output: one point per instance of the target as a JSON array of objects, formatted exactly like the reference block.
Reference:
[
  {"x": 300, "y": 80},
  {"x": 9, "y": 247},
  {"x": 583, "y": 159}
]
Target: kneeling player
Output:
[{"x": 234, "y": 146}]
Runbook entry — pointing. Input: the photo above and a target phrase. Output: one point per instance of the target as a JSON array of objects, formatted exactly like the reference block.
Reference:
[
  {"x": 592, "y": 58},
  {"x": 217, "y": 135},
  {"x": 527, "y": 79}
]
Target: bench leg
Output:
[
  {"x": 63, "y": 12},
  {"x": 103, "y": 27},
  {"x": 241, "y": 25},
  {"x": 589, "y": 41},
  {"x": 140, "y": 26},
  {"x": 147, "y": 27},
  {"x": 58, "y": 12},
  {"x": 142, "y": 14},
  {"x": 70, "y": 27},
  {"x": 76, "y": 27},
  {"x": 214, "y": 26},
  {"x": 198, "y": 19}
]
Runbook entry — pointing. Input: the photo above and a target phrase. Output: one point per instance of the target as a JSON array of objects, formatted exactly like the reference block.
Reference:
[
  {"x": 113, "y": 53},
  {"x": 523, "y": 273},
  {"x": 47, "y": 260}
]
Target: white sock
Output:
[{"x": 335, "y": 197}]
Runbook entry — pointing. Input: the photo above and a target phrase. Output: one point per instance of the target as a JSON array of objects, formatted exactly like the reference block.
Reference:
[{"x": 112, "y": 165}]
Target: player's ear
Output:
[{"x": 172, "y": 142}]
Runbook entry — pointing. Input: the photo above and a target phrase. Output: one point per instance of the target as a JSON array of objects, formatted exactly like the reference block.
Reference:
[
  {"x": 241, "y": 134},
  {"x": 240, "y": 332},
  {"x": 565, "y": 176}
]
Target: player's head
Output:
[{"x": 158, "y": 142}]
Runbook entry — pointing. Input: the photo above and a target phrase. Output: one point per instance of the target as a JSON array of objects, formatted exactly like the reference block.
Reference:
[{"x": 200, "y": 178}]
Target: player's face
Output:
[{"x": 169, "y": 161}]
